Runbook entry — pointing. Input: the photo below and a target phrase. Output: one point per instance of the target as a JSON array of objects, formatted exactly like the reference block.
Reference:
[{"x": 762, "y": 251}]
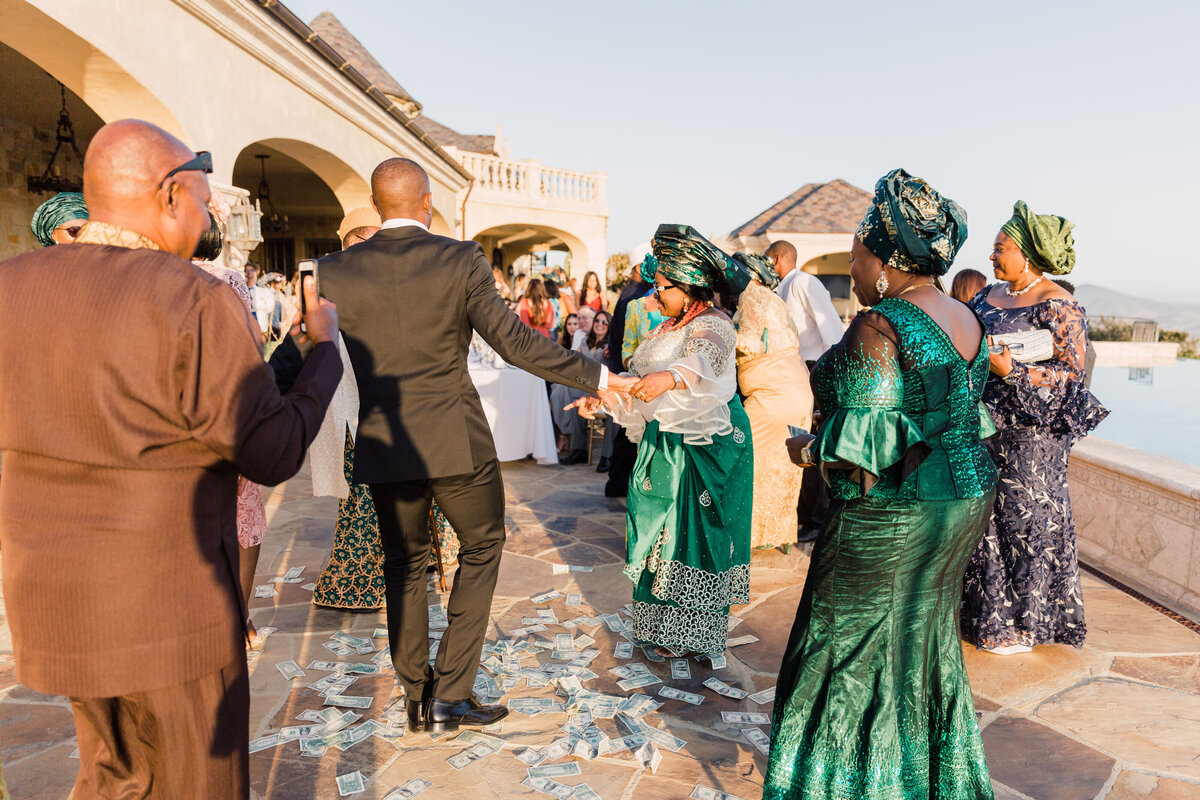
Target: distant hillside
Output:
[{"x": 1109, "y": 303}]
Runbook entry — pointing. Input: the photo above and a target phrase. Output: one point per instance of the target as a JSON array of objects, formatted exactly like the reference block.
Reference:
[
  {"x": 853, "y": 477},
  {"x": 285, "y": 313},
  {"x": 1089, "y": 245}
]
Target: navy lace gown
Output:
[{"x": 1022, "y": 583}]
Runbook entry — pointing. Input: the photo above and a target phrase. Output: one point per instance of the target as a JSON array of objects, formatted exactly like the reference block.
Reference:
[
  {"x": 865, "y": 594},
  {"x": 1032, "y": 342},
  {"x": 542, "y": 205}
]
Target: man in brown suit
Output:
[{"x": 123, "y": 436}]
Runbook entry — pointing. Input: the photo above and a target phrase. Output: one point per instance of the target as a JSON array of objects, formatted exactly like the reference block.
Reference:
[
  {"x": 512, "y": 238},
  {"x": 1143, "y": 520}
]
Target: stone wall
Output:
[
  {"x": 1138, "y": 520},
  {"x": 22, "y": 149}
]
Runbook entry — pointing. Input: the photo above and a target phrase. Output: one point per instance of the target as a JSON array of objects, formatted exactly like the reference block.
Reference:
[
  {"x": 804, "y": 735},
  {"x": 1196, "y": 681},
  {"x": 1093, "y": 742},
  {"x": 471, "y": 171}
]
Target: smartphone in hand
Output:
[{"x": 307, "y": 267}]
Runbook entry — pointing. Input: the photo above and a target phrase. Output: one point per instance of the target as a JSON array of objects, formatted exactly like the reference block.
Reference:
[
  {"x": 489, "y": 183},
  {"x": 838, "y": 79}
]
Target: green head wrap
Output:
[
  {"x": 648, "y": 267},
  {"x": 685, "y": 256},
  {"x": 911, "y": 227},
  {"x": 1045, "y": 239},
  {"x": 63, "y": 207},
  {"x": 759, "y": 267}
]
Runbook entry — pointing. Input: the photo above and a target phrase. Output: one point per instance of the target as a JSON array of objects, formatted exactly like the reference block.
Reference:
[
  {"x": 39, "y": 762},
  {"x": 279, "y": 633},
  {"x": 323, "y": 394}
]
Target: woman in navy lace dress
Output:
[{"x": 1022, "y": 583}]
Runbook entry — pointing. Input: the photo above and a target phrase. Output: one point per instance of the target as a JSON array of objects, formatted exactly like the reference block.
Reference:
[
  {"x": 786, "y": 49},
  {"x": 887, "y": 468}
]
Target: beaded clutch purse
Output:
[{"x": 1027, "y": 346}]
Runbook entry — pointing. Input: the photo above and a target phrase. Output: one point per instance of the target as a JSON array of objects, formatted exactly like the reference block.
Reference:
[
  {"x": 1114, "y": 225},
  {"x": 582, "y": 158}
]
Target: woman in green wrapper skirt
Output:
[
  {"x": 872, "y": 700},
  {"x": 689, "y": 502}
]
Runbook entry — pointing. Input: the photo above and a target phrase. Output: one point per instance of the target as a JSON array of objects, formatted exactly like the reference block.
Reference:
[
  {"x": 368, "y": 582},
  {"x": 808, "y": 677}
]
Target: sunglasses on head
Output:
[{"x": 202, "y": 163}]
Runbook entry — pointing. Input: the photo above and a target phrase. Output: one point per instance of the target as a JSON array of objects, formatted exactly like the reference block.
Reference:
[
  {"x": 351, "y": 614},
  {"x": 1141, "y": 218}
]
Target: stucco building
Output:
[
  {"x": 819, "y": 220},
  {"x": 245, "y": 79}
]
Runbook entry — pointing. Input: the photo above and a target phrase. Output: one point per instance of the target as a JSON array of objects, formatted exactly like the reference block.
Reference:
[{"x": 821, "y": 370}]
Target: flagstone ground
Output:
[{"x": 1118, "y": 719}]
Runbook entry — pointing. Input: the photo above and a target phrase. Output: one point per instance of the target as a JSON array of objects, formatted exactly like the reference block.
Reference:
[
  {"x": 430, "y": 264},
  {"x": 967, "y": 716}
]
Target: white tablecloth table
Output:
[{"x": 518, "y": 412}]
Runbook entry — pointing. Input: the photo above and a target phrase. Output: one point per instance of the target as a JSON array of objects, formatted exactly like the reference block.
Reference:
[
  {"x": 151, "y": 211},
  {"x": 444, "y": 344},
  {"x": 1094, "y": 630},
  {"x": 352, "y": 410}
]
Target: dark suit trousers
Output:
[
  {"x": 176, "y": 743},
  {"x": 474, "y": 505}
]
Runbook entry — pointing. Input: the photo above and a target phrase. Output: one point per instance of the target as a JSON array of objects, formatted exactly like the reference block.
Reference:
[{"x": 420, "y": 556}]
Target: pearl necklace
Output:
[{"x": 1018, "y": 292}]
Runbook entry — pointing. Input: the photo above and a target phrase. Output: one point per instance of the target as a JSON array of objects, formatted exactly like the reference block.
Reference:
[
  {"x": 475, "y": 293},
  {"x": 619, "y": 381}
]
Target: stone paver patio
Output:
[{"x": 1118, "y": 719}]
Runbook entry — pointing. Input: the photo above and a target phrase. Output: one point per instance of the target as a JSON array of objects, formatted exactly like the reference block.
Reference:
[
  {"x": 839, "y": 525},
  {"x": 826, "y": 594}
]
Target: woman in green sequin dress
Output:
[
  {"x": 872, "y": 700},
  {"x": 689, "y": 502}
]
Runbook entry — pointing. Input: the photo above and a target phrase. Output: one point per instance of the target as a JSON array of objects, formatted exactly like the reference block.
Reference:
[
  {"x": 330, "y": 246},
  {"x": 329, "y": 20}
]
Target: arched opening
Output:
[
  {"x": 833, "y": 270},
  {"x": 439, "y": 225},
  {"x": 95, "y": 78},
  {"x": 30, "y": 102},
  {"x": 302, "y": 207},
  {"x": 521, "y": 249}
]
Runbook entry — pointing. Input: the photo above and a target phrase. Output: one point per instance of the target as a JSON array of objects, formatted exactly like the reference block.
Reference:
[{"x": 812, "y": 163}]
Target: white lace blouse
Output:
[{"x": 702, "y": 352}]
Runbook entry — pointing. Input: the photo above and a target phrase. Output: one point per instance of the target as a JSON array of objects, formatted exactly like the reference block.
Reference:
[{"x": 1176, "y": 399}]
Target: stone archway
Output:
[
  {"x": 503, "y": 244},
  {"x": 96, "y": 78},
  {"x": 310, "y": 190}
]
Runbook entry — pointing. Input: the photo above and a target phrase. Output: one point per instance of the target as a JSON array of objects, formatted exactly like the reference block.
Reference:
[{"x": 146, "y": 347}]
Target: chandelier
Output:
[
  {"x": 274, "y": 223},
  {"x": 51, "y": 179}
]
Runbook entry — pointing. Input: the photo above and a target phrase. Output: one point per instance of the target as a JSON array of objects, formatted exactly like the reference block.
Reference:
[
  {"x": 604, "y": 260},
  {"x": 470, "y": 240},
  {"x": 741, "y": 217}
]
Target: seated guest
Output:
[
  {"x": 586, "y": 315},
  {"x": 126, "y": 505},
  {"x": 59, "y": 219},
  {"x": 966, "y": 284},
  {"x": 535, "y": 309}
]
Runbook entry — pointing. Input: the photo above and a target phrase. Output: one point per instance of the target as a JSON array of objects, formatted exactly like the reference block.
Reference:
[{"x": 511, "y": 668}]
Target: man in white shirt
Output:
[
  {"x": 817, "y": 321},
  {"x": 262, "y": 299}
]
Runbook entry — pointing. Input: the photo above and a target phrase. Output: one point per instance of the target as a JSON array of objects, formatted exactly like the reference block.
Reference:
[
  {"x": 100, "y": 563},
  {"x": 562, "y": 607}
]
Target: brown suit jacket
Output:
[{"x": 132, "y": 393}]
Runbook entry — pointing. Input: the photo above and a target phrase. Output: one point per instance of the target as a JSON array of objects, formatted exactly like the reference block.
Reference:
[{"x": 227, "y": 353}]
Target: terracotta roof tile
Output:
[
  {"x": 834, "y": 207},
  {"x": 448, "y": 137},
  {"x": 330, "y": 28}
]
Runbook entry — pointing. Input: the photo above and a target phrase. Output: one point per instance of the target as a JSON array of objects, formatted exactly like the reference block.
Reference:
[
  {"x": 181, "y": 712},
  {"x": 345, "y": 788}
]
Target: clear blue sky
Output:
[{"x": 708, "y": 112}]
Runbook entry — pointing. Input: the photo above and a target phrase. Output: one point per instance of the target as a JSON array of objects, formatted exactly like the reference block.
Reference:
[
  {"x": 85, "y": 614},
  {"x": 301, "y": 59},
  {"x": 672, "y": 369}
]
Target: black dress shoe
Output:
[
  {"x": 604, "y": 466},
  {"x": 576, "y": 457},
  {"x": 447, "y": 715},
  {"x": 615, "y": 491},
  {"x": 416, "y": 715}
]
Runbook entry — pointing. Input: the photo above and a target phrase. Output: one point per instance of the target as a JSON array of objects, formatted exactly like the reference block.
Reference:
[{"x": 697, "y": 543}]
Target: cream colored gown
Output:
[{"x": 774, "y": 380}]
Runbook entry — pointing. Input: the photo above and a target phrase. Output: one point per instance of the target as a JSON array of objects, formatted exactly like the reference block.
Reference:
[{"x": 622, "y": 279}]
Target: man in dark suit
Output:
[
  {"x": 408, "y": 302},
  {"x": 624, "y": 451}
]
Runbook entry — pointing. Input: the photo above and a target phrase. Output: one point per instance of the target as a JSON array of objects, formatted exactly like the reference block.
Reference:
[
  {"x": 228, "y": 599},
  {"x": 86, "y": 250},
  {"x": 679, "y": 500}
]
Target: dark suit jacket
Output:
[
  {"x": 123, "y": 434},
  {"x": 408, "y": 301}
]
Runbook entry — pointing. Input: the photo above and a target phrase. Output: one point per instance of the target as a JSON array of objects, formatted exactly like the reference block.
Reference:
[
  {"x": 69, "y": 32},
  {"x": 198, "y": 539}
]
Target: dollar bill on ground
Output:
[
  {"x": 664, "y": 739},
  {"x": 261, "y": 743},
  {"x": 546, "y": 596},
  {"x": 574, "y": 599},
  {"x": 764, "y": 697},
  {"x": 557, "y": 749},
  {"x": 639, "y": 682},
  {"x": 348, "y": 701},
  {"x": 293, "y": 732},
  {"x": 648, "y": 756},
  {"x": 623, "y": 650},
  {"x": 352, "y": 640},
  {"x": 339, "y": 648},
  {"x": 289, "y": 669},
  {"x": 312, "y": 715},
  {"x": 680, "y": 671},
  {"x": 717, "y": 661},
  {"x": 531, "y": 757},
  {"x": 293, "y": 573},
  {"x": 721, "y": 687},
  {"x": 338, "y": 723},
  {"x": 671, "y": 693},
  {"x": 353, "y": 783},
  {"x": 744, "y": 718},
  {"x": 468, "y": 757},
  {"x": 708, "y": 793},
  {"x": 381, "y": 633},
  {"x": 311, "y": 587},
  {"x": 564, "y": 642},
  {"x": 650, "y": 655},
  {"x": 555, "y": 770},
  {"x": 741, "y": 640},
  {"x": 631, "y": 742},
  {"x": 759, "y": 739},
  {"x": 585, "y": 792},
  {"x": 266, "y": 590},
  {"x": 475, "y": 737},
  {"x": 409, "y": 790},
  {"x": 549, "y": 786}
]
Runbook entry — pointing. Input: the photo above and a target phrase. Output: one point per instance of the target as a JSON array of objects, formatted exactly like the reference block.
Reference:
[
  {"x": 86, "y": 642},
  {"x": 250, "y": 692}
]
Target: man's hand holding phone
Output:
[{"x": 319, "y": 315}]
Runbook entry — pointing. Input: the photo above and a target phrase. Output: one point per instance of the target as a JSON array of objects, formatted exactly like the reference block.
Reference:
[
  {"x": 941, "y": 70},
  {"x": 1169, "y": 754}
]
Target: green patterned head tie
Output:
[
  {"x": 648, "y": 267},
  {"x": 1045, "y": 239},
  {"x": 911, "y": 227},
  {"x": 759, "y": 267},
  {"x": 63, "y": 207},
  {"x": 684, "y": 256}
]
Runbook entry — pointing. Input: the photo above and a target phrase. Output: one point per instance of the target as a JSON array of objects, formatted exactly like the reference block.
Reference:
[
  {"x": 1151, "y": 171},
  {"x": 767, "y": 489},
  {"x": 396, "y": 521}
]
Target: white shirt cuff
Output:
[{"x": 603, "y": 377}]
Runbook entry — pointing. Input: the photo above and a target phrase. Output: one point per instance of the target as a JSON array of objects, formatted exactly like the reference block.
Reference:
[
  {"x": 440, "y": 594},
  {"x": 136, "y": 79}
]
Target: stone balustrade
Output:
[
  {"x": 1137, "y": 517},
  {"x": 527, "y": 183}
]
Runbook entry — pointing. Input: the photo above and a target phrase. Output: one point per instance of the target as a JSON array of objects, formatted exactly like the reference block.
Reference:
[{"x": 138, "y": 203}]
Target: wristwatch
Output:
[
  {"x": 806, "y": 454},
  {"x": 678, "y": 378}
]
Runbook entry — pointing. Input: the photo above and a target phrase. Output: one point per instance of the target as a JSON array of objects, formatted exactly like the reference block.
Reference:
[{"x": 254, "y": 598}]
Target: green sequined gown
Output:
[{"x": 873, "y": 700}]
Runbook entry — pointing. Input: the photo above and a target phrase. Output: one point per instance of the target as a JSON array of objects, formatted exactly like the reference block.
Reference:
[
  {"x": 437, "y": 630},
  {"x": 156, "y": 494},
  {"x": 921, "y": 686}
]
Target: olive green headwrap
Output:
[
  {"x": 759, "y": 267},
  {"x": 1045, "y": 239},
  {"x": 684, "y": 256},
  {"x": 910, "y": 227},
  {"x": 63, "y": 207}
]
